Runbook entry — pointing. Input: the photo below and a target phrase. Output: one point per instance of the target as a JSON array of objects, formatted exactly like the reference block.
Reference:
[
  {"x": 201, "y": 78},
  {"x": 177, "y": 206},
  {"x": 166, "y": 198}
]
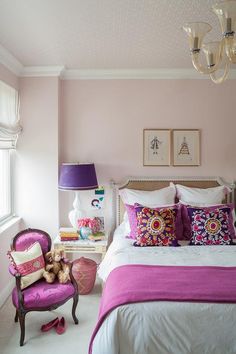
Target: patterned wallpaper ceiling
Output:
[{"x": 102, "y": 34}]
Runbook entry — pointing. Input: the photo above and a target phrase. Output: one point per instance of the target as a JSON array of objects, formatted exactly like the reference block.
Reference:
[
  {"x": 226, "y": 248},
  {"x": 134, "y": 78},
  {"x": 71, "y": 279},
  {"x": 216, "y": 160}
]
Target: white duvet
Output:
[{"x": 166, "y": 327}]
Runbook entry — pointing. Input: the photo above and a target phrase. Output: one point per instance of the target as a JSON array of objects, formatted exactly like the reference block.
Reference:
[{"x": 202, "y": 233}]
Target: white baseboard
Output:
[{"x": 4, "y": 294}]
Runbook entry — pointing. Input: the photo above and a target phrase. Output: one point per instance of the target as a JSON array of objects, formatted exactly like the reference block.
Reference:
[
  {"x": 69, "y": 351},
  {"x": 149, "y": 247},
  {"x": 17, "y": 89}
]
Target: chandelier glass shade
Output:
[{"x": 219, "y": 54}]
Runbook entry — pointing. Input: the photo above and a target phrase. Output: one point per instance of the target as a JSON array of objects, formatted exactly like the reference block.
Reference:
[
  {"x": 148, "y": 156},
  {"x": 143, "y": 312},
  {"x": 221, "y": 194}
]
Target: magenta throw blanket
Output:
[{"x": 139, "y": 283}]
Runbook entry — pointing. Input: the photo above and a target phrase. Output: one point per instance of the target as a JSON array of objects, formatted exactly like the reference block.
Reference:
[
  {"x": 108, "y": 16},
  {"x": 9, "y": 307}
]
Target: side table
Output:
[{"x": 82, "y": 246}]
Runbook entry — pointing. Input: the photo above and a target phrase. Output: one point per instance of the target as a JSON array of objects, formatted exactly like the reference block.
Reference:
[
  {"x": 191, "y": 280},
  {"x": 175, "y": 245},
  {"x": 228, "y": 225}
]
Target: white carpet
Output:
[{"x": 74, "y": 341}]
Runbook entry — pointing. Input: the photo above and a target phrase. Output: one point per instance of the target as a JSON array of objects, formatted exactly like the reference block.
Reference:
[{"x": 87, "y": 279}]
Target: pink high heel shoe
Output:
[
  {"x": 61, "y": 326},
  {"x": 46, "y": 327}
]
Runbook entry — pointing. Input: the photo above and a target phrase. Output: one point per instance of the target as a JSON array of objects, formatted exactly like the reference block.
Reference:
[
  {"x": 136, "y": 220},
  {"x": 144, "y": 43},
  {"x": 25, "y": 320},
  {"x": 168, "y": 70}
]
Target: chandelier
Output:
[{"x": 218, "y": 54}]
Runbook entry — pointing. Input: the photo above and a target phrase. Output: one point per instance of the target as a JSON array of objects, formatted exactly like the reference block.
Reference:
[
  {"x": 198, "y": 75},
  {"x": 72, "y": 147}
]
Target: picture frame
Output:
[
  {"x": 156, "y": 147},
  {"x": 186, "y": 147},
  {"x": 101, "y": 220}
]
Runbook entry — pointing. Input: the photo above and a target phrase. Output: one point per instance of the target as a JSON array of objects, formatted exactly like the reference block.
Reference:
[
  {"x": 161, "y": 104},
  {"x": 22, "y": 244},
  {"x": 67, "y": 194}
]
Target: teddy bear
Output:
[{"x": 56, "y": 267}]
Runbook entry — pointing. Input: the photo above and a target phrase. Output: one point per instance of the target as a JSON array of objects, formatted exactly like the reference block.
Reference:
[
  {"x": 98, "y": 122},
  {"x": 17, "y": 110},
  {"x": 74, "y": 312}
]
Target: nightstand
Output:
[{"x": 82, "y": 246}]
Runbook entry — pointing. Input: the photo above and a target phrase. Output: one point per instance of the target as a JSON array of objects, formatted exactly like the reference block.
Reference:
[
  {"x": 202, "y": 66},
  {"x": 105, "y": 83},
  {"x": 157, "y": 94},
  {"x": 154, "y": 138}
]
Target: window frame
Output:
[{"x": 8, "y": 216}]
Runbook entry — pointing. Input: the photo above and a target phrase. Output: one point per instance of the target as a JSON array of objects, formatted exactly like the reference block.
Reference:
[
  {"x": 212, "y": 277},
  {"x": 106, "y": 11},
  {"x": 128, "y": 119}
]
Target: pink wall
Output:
[
  {"x": 37, "y": 154},
  {"x": 35, "y": 165},
  {"x": 103, "y": 122}
]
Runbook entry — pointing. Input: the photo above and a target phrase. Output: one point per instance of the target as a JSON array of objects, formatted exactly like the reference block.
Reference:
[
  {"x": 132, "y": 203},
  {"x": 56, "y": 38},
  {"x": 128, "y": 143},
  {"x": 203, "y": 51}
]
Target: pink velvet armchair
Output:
[{"x": 39, "y": 296}]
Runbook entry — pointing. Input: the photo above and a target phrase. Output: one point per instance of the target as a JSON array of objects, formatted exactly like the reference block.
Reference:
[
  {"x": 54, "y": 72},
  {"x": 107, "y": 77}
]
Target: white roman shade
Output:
[{"x": 10, "y": 126}]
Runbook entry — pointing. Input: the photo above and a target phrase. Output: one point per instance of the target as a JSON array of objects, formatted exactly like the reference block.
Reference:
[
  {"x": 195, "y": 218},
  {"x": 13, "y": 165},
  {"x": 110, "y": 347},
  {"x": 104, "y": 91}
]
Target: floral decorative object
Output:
[{"x": 93, "y": 224}]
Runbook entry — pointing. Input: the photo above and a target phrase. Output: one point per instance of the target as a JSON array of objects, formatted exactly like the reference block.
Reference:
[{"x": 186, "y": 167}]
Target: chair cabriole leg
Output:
[
  {"x": 75, "y": 302},
  {"x": 22, "y": 327},
  {"x": 16, "y": 316}
]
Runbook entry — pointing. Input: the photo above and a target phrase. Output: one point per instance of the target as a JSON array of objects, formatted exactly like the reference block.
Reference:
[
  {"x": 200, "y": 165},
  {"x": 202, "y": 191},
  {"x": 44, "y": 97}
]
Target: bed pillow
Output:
[
  {"x": 212, "y": 196},
  {"x": 126, "y": 224},
  {"x": 161, "y": 196},
  {"x": 131, "y": 212},
  {"x": 186, "y": 222},
  {"x": 231, "y": 205},
  {"x": 29, "y": 263},
  {"x": 210, "y": 226},
  {"x": 156, "y": 227}
]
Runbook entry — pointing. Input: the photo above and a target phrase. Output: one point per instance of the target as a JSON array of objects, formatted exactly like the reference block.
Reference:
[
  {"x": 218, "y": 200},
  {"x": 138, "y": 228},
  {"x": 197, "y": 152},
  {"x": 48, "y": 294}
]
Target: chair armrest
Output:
[
  {"x": 17, "y": 276},
  {"x": 12, "y": 270}
]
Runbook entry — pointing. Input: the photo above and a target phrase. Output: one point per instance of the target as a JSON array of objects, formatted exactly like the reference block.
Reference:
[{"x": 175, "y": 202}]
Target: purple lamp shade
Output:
[{"x": 75, "y": 176}]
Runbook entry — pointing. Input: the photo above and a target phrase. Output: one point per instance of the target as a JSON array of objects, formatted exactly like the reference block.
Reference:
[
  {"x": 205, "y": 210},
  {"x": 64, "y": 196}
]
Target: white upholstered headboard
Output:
[{"x": 154, "y": 183}]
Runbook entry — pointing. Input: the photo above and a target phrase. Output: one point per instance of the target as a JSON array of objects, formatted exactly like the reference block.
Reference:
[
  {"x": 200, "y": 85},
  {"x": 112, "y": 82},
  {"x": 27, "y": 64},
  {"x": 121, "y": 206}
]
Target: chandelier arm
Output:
[
  {"x": 200, "y": 68},
  {"x": 223, "y": 77},
  {"x": 230, "y": 49}
]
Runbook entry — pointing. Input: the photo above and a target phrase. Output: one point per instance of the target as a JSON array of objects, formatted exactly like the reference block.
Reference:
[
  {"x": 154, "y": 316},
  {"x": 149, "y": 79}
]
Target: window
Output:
[
  {"x": 5, "y": 184},
  {"x": 10, "y": 128}
]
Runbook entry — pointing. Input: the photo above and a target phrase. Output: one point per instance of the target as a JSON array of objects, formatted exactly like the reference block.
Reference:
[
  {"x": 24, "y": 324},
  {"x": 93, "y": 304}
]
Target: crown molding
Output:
[
  {"x": 141, "y": 74},
  {"x": 116, "y": 74},
  {"x": 10, "y": 62},
  {"x": 14, "y": 65},
  {"x": 42, "y": 71}
]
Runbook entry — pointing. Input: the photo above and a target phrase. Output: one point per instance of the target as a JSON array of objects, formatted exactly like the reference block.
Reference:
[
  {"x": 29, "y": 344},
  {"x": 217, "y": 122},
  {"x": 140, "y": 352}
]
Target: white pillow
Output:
[
  {"x": 195, "y": 196},
  {"x": 199, "y": 205},
  {"x": 126, "y": 223},
  {"x": 122, "y": 230},
  {"x": 158, "y": 197}
]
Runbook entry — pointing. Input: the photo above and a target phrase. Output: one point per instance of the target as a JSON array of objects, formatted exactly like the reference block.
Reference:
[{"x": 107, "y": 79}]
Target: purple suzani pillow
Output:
[
  {"x": 155, "y": 227},
  {"x": 210, "y": 226},
  {"x": 187, "y": 229},
  {"x": 131, "y": 212}
]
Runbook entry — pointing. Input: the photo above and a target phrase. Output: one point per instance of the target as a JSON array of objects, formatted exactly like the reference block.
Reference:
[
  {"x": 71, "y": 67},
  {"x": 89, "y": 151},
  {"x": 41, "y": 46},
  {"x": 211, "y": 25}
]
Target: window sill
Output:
[{"x": 9, "y": 223}]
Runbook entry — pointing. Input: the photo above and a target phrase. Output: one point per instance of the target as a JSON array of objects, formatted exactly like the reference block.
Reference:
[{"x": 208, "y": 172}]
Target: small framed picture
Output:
[
  {"x": 186, "y": 147},
  {"x": 100, "y": 220},
  {"x": 156, "y": 147}
]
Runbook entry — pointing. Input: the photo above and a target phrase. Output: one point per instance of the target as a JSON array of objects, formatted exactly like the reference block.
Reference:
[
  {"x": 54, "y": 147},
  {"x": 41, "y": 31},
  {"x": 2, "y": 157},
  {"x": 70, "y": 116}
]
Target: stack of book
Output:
[
  {"x": 99, "y": 236},
  {"x": 68, "y": 234}
]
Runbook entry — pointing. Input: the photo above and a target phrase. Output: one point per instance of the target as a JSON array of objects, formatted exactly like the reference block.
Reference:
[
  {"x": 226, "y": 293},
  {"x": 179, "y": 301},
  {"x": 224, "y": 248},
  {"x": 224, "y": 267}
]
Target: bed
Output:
[{"x": 164, "y": 327}]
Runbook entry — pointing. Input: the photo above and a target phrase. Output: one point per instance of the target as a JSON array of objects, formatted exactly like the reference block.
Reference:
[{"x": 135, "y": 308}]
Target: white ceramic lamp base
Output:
[{"x": 76, "y": 213}]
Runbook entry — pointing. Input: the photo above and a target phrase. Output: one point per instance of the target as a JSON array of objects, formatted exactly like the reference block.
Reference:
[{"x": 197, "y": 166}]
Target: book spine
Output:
[{"x": 69, "y": 238}]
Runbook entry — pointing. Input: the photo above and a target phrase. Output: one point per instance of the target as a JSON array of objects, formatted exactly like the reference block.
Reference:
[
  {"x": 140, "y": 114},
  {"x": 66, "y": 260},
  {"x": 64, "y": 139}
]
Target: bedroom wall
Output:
[
  {"x": 35, "y": 165},
  {"x": 103, "y": 121},
  {"x": 37, "y": 154}
]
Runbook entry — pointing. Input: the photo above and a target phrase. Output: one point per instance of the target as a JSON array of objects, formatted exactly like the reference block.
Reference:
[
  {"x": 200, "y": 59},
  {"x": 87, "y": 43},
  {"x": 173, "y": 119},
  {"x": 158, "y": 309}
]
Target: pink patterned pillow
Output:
[
  {"x": 187, "y": 231},
  {"x": 29, "y": 263},
  {"x": 210, "y": 226},
  {"x": 156, "y": 227},
  {"x": 133, "y": 220}
]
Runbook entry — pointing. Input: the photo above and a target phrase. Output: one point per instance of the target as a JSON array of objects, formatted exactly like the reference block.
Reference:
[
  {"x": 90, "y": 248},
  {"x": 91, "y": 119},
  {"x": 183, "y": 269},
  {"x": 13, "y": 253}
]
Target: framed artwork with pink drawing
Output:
[
  {"x": 171, "y": 147},
  {"x": 186, "y": 147}
]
